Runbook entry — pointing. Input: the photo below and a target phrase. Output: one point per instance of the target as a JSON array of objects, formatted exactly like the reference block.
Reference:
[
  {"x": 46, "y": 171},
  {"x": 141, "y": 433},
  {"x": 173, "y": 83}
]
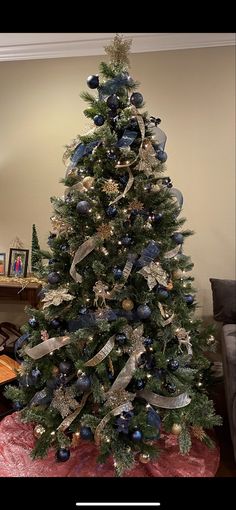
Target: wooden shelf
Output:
[{"x": 20, "y": 291}]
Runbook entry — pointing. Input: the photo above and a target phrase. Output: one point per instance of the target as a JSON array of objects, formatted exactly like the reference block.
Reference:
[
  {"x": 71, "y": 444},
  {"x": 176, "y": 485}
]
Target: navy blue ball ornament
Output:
[
  {"x": 189, "y": 299},
  {"x": 55, "y": 323},
  {"x": 170, "y": 387},
  {"x": 162, "y": 292},
  {"x": 173, "y": 365},
  {"x": 143, "y": 311},
  {"x": 113, "y": 102},
  {"x": 127, "y": 240},
  {"x": 178, "y": 238},
  {"x": 93, "y": 81},
  {"x": 120, "y": 338},
  {"x": 52, "y": 261},
  {"x": 117, "y": 272},
  {"x": 98, "y": 120},
  {"x": 83, "y": 383},
  {"x": 139, "y": 384},
  {"x": 156, "y": 218},
  {"x": 17, "y": 406},
  {"x": 153, "y": 418},
  {"x": 63, "y": 454},
  {"x": 86, "y": 433},
  {"x": 133, "y": 124},
  {"x": 147, "y": 341},
  {"x": 33, "y": 323},
  {"x": 54, "y": 278},
  {"x": 111, "y": 376},
  {"x": 83, "y": 207},
  {"x": 111, "y": 211},
  {"x": 136, "y": 99},
  {"x": 35, "y": 374},
  {"x": 137, "y": 436},
  {"x": 161, "y": 156},
  {"x": 65, "y": 367}
]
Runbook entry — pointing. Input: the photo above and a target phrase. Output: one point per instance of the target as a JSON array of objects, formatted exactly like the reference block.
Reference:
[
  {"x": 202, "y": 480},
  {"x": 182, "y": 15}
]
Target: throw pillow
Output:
[{"x": 224, "y": 300}]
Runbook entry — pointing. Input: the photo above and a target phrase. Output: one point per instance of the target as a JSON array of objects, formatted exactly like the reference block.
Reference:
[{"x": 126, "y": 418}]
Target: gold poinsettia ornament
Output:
[{"x": 56, "y": 297}]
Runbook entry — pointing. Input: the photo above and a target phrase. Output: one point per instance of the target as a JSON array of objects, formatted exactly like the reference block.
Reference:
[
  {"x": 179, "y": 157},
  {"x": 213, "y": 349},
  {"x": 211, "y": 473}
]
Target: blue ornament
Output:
[
  {"x": 121, "y": 338},
  {"x": 83, "y": 310},
  {"x": 33, "y": 323},
  {"x": 83, "y": 207},
  {"x": 178, "y": 238},
  {"x": 166, "y": 181},
  {"x": 54, "y": 278},
  {"x": 111, "y": 376},
  {"x": 65, "y": 367},
  {"x": 35, "y": 374},
  {"x": 52, "y": 261},
  {"x": 143, "y": 311},
  {"x": 98, "y": 120},
  {"x": 17, "y": 406},
  {"x": 173, "y": 365},
  {"x": 126, "y": 241},
  {"x": 189, "y": 299},
  {"x": 118, "y": 273},
  {"x": 113, "y": 102},
  {"x": 153, "y": 418},
  {"x": 93, "y": 81},
  {"x": 136, "y": 99},
  {"x": 139, "y": 384},
  {"x": 161, "y": 156},
  {"x": 83, "y": 383},
  {"x": 170, "y": 387},
  {"x": 148, "y": 341},
  {"x": 162, "y": 292},
  {"x": 64, "y": 247},
  {"x": 136, "y": 436},
  {"x": 55, "y": 323},
  {"x": 157, "y": 217},
  {"x": 123, "y": 179},
  {"x": 63, "y": 454},
  {"x": 133, "y": 124},
  {"x": 111, "y": 211},
  {"x": 86, "y": 433}
]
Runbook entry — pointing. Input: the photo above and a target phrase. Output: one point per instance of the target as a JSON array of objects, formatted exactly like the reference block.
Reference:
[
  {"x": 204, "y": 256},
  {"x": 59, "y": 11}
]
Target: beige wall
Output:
[{"x": 193, "y": 91}]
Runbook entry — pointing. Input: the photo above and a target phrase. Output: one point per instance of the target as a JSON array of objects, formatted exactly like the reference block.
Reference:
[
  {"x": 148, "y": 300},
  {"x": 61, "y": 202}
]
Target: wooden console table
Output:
[{"x": 23, "y": 291}]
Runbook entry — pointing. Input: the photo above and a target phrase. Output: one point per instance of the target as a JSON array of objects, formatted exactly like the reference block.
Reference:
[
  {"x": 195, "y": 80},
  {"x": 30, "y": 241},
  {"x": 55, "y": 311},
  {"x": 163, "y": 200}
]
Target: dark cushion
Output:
[{"x": 224, "y": 300}]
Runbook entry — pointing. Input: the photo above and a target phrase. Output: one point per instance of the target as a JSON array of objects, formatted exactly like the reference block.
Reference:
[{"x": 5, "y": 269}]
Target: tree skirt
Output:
[{"x": 16, "y": 442}]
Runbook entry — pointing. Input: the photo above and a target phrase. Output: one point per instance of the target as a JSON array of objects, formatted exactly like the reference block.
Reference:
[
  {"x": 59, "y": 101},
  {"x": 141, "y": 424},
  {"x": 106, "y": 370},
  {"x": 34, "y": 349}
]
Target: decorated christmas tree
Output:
[
  {"x": 36, "y": 256},
  {"x": 114, "y": 353}
]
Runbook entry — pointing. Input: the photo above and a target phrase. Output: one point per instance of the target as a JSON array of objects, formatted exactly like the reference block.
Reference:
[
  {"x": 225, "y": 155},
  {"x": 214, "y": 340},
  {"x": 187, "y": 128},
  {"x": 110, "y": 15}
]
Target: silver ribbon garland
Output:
[
  {"x": 80, "y": 254},
  {"x": 127, "y": 188},
  {"x": 172, "y": 253},
  {"x": 126, "y": 374},
  {"x": 181, "y": 400},
  {"x": 44, "y": 348},
  {"x": 102, "y": 354}
]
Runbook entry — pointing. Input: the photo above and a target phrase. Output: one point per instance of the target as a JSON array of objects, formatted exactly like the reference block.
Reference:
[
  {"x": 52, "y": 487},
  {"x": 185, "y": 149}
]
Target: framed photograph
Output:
[
  {"x": 18, "y": 262},
  {"x": 2, "y": 263}
]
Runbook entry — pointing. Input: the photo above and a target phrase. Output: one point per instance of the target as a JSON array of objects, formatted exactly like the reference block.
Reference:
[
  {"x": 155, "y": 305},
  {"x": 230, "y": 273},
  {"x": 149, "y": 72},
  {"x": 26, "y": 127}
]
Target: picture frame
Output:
[
  {"x": 2, "y": 264},
  {"x": 18, "y": 262}
]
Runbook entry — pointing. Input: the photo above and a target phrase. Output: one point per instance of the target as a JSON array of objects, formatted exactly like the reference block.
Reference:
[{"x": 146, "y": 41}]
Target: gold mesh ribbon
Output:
[
  {"x": 181, "y": 400},
  {"x": 172, "y": 253},
  {"x": 44, "y": 348},
  {"x": 80, "y": 254},
  {"x": 163, "y": 314},
  {"x": 69, "y": 419},
  {"x": 154, "y": 274},
  {"x": 125, "y": 375},
  {"x": 119, "y": 401},
  {"x": 102, "y": 354}
]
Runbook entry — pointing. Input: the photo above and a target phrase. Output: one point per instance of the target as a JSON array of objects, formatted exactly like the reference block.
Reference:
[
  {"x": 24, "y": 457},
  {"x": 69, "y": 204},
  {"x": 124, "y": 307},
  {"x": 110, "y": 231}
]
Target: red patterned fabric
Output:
[{"x": 16, "y": 441}]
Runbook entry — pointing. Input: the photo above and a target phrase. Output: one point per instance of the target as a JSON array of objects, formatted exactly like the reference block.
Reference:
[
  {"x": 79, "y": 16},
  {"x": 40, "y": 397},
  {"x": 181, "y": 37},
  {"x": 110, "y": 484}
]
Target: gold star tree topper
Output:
[{"x": 118, "y": 50}]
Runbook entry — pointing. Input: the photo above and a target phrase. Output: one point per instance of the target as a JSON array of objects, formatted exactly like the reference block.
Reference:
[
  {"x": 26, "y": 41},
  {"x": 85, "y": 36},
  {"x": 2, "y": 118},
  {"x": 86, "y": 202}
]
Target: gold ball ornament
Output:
[
  {"x": 88, "y": 182},
  {"x": 55, "y": 370},
  {"x": 176, "y": 429},
  {"x": 127, "y": 304},
  {"x": 38, "y": 431},
  {"x": 144, "y": 458}
]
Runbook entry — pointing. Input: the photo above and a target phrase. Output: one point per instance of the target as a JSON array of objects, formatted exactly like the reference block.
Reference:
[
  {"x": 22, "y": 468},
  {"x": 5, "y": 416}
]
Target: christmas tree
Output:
[
  {"x": 36, "y": 256},
  {"x": 114, "y": 354}
]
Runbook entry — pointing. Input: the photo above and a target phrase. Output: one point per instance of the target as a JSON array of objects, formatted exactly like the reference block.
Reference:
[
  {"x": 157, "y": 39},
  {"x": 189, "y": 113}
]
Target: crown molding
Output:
[{"x": 28, "y": 46}]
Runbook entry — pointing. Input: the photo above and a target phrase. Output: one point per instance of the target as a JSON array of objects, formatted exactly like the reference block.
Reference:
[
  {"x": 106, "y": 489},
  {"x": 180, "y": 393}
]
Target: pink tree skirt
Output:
[{"x": 16, "y": 442}]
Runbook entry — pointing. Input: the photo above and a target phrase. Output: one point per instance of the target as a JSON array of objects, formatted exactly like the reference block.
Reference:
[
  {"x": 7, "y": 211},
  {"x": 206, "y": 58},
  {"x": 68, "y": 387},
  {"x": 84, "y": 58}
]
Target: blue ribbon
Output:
[{"x": 127, "y": 138}]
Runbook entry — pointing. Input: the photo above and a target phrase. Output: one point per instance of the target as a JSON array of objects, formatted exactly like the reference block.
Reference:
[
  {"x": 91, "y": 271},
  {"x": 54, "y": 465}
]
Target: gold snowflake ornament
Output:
[
  {"x": 110, "y": 186},
  {"x": 104, "y": 231},
  {"x": 135, "y": 204}
]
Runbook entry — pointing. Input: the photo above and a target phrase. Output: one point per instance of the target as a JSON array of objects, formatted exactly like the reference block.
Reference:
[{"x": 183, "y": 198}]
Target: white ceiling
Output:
[{"x": 27, "y": 46}]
